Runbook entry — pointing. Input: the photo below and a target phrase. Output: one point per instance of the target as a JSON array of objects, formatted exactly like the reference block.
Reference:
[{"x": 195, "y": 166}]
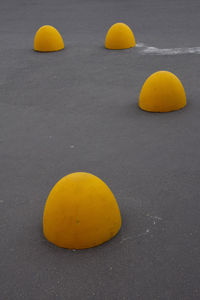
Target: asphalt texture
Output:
[{"x": 76, "y": 110}]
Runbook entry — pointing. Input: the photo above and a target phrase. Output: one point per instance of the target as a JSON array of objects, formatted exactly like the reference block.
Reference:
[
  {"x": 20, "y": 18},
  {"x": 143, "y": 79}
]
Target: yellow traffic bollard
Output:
[
  {"x": 162, "y": 92},
  {"x": 48, "y": 39},
  {"x": 80, "y": 212},
  {"x": 119, "y": 36}
]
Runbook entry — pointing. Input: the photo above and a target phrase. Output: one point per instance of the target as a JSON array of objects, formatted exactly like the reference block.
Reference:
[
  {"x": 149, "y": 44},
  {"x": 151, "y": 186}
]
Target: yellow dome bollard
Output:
[
  {"x": 162, "y": 92},
  {"x": 119, "y": 36},
  {"x": 80, "y": 212},
  {"x": 48, "y": 39}
]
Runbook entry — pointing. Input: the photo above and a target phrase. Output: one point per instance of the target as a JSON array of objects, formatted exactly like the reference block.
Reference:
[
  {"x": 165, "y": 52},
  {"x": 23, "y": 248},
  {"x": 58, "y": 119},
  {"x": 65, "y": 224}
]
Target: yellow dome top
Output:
[
  {"x": 119, "y": 36},
  {"x": 162, "y": 92},
  {"x": 48, "y": 39},
  {"x": 80, "y": 212}
]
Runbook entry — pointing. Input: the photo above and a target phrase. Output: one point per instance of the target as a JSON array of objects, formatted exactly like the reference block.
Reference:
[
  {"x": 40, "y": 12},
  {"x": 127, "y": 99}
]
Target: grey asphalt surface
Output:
[{"x": 76, "y": 110}]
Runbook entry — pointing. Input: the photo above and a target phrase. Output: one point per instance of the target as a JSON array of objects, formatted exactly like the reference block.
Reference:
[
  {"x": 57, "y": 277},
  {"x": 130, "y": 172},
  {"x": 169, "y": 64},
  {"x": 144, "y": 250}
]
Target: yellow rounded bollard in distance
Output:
[
  {"x": 80, "y": 212},
  {"x": 162, "y": 92},
  {"x": 48, "y": 39},
  {"x": 119, "y": 36}
]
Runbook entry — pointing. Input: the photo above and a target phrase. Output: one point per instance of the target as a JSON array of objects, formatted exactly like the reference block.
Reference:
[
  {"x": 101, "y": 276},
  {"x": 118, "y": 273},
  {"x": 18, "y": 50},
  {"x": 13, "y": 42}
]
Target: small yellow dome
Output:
[
  {"x": 80, "y": 212},
  {"x": 48, "y": 39},
  {"x": 119, "y": 36},
  {"x": 162, "y": 92}
]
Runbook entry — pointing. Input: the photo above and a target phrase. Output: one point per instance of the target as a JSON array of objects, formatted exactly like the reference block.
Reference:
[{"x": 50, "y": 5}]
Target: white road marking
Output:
[
  {"x": 154, "y": 217},
  {"x": 139, "y": 235},
  {"x": 143, "y": 49},
  {"x": 140, "y": 45},
  {"x": 125, "y": 239},
  {"x": 144, "y": 233}
]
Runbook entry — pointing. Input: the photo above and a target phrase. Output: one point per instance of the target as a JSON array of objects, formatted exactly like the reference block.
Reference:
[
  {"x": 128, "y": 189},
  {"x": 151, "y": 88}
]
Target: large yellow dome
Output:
[
  {"x": 48, "y": 39},
  {"x": 80, "y": 212},
  {"x": 162, "y": 92},
  {"x": 119, "y": 36}
]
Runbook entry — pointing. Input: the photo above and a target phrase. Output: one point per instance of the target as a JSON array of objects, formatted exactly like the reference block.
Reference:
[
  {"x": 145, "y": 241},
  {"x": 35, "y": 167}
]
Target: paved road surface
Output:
[{"x": 76, "y": 110}]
